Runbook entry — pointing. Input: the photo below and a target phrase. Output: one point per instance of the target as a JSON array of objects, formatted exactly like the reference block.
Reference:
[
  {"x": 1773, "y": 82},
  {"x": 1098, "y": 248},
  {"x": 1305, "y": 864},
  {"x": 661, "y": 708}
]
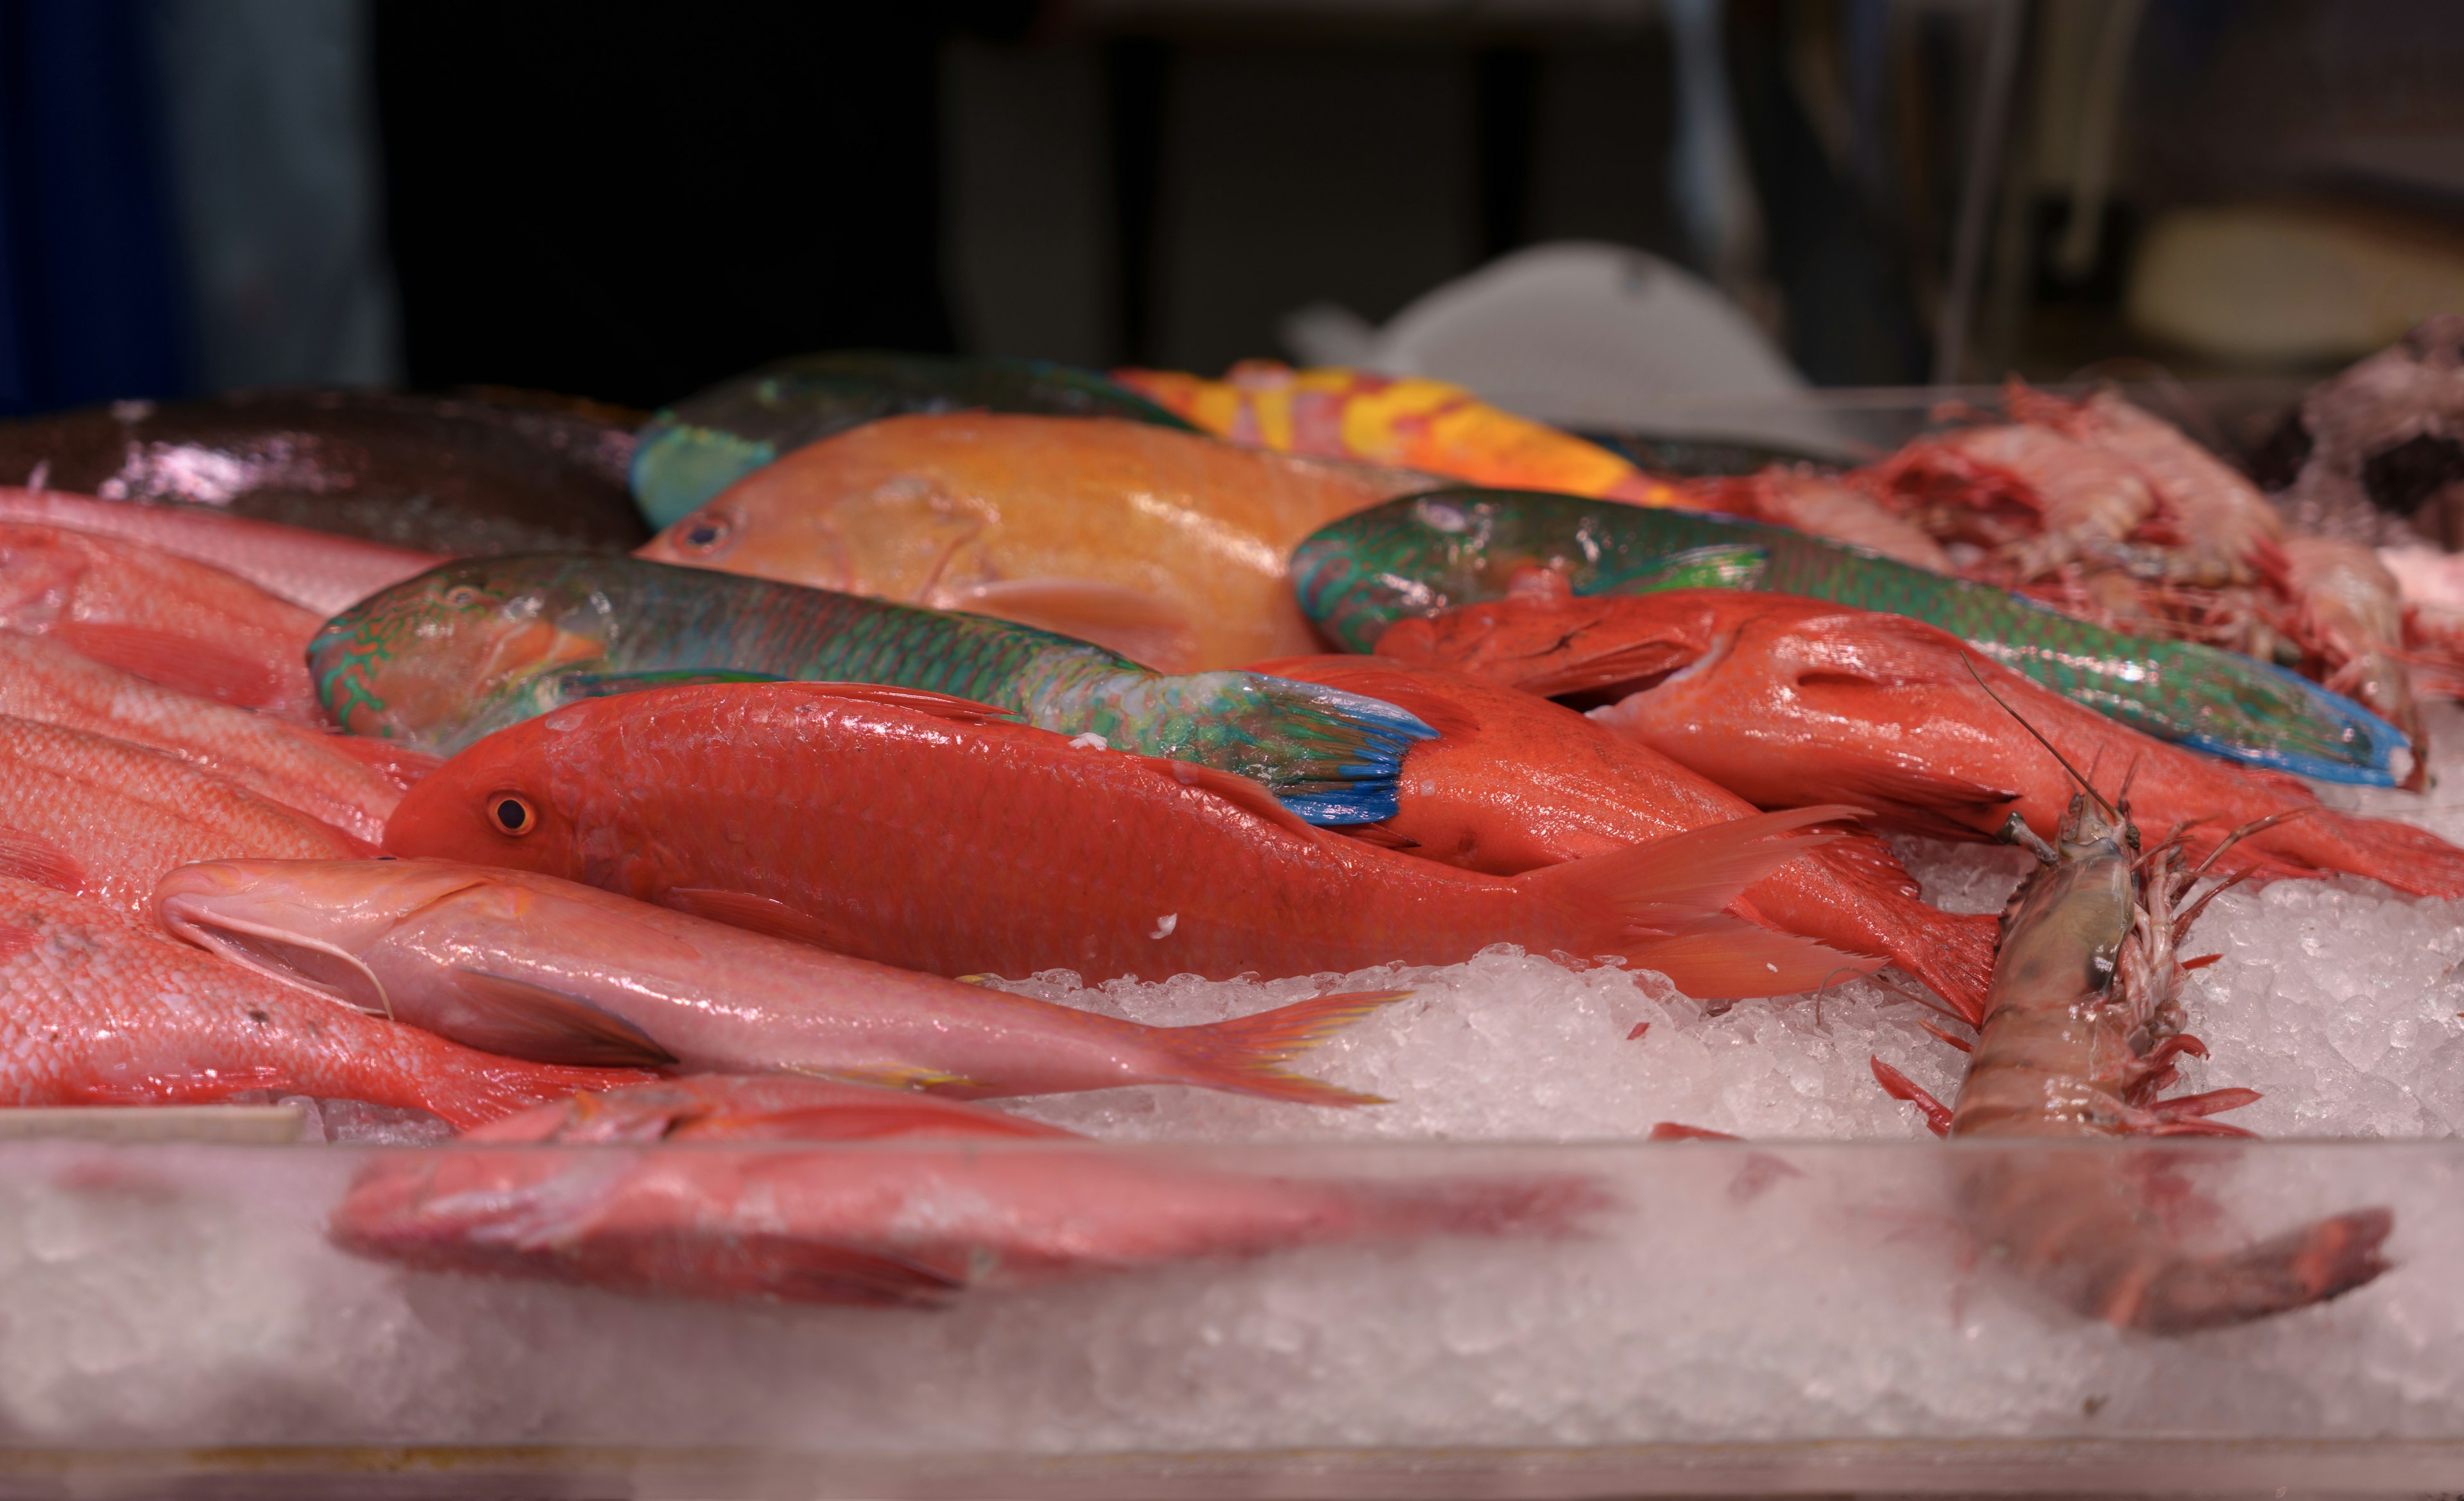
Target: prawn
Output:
[{"x": 2083, "y": 1027}]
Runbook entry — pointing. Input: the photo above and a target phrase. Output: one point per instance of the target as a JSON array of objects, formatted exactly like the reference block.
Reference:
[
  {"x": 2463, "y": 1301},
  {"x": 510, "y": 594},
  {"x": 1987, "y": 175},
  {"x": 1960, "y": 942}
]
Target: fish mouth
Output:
[{"x": 194, "y": 904}]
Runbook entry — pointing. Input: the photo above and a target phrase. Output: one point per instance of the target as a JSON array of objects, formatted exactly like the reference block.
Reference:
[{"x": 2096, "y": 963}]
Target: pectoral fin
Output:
[{"x": 540, "y": 1023}]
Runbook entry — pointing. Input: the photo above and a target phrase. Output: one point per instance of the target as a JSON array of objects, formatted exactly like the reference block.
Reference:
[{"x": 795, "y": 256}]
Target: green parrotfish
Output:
[
  {"x": 462, "y": 650},
  {"x": 1423, "y": 554}
]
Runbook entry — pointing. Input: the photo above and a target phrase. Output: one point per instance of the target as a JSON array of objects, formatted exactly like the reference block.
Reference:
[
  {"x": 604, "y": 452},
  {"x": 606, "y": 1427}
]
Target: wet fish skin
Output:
[
  {"x": 1514, "y": 782},
  {"x": 349, "y": 783},
  {"x": 1785, "y": 699},
  {"x": 895, "y": 1202},
  {"x": 927, "y": 837},
  {"x": 692, "y": 450},
  {"x": 1168, "y": 547},
  {"x": 478, "y": 645},
  {"x": 463, "y": 474},
  {"x": 317, "y": 571},
  {"x": 96, "y": 1010},
  {"x": 98, "y": 816},
  {"x": 166, "y": 618},
  {"x": 1421, "y": 555},
  {"x": 533, "y": 966}
]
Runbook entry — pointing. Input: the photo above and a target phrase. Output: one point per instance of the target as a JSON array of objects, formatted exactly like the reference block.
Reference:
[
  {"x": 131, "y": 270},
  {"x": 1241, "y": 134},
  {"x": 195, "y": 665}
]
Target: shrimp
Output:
[
  {"x": 2084, "y": 502},
  {"x": 2214, "y": 525},
  {"x": 2082, "y": 1027},
  {"x": 2353, "y": 617},
  {"x": 1803, "y": 497}
]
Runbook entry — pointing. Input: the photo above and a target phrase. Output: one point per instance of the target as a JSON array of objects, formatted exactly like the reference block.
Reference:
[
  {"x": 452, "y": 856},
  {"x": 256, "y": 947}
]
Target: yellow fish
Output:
[
  {"x": 1168, "y": 547},
  {"x": 1335, "y": 413}
]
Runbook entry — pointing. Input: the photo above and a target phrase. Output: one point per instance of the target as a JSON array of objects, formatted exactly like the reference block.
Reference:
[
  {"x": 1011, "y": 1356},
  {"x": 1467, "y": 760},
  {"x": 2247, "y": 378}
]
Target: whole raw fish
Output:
[
  {"x": 698, "y": 448},
  {"x": 342, "y": 780},
  {"x": 96, "y": 1010},
  {"x": 1408, "y": 421},
  {"x": 2079, "y": 1040},
  {"x": 536, "y": 967},
  {"x": 1168, "y": 547},
  {"x": 904, "y": 1200},
  {"x": 929, "y": 835},
  {"x": 465, "y": 475},
  {"x": 1787, "y": 700},
  {"x": 167, "y": 619},
  {"x": 316, "y": 571},
  {"x": 101, "y": 817},
  {"x": 476, "y": 645},
  {"x": 1416, "y": 557},
  {"x": 1513, "y": 782}
]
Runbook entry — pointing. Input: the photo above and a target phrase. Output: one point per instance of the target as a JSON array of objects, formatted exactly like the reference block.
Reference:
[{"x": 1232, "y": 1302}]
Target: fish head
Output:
[
  {"x": 437, "y": 660},
  {"x": 497, "y": 803},
  {"x": 306, "y": 922}
]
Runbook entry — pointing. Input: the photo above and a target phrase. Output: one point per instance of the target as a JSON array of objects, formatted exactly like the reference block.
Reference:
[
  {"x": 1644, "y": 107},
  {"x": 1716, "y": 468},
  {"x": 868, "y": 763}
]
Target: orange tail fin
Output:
[
  {"x": 1659, "y": 904},
  {"x": 1246, "y": 1054},
  {"x": 2409, "y": 859}
]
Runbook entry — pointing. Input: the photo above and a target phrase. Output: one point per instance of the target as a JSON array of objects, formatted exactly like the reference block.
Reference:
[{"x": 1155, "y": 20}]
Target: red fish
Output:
[
  {"x": 1789, "y": 701},
  {"x": 346, "y": 780},
  {"x": 1006, "y": 1202},
  {"x": 161, "y": 616},
  {"x": 95, "y": 1010},
  {"x": 1514, "y": 782},
  {"x": 107, "y": 818},
  {"x": 920, "y": 832}
]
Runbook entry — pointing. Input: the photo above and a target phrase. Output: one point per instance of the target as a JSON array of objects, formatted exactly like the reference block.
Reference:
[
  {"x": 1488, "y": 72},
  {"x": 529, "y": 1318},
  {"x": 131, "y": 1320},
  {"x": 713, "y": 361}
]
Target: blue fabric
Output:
[{"x": 89, "y": 273}]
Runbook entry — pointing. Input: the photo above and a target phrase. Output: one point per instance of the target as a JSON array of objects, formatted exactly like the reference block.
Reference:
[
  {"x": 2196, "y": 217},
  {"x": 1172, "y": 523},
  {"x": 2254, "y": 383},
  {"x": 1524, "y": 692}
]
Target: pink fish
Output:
[
  {"x": 158, "y": 615},
  {"x": 95, "y": 1010},
  {"x": 947, "y": 1208},
  {"x": 537, "y": 967},
  {"x": 319, "y": 571}
]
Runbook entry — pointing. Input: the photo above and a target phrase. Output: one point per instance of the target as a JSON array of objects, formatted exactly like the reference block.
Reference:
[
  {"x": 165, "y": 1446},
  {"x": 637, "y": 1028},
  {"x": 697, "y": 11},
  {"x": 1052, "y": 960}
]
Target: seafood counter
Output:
[{"x": 1135, "y": 934}]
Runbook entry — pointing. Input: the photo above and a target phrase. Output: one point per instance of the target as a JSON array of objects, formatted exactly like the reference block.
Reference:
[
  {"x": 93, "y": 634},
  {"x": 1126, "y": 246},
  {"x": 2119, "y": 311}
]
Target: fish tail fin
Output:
[
  {"x": 1331, "y": 756},
  {"x": 2262, "y": 715},
  {"x": 1659, "y": 904},
  {"x": 1246, "y": 1054},
  {"x": 1951, "y": 952},
  {"x": 2411, "y": 859}
]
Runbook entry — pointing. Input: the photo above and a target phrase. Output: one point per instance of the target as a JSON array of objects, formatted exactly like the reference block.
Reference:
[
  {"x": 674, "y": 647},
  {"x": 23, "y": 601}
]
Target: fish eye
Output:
[
  {"x": 461, "y": 596},
  {"x": 511, "y": 814},
  {"x": 703, "y": 534}
]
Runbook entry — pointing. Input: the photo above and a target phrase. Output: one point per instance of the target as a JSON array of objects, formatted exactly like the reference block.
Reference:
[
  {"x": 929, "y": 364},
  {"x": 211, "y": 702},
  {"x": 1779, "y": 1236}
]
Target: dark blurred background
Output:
[{"x": 630, "y": 201}]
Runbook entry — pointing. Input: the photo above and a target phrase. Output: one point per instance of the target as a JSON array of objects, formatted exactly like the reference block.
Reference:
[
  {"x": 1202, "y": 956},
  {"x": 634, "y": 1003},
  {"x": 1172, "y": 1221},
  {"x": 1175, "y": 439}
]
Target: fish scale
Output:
[{"x": 1423, "y": 554}]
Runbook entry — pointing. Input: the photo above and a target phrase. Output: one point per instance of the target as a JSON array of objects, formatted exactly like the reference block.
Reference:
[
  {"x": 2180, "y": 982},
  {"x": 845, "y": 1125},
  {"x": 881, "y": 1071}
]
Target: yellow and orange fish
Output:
[{"x": 1407, "y": 421}]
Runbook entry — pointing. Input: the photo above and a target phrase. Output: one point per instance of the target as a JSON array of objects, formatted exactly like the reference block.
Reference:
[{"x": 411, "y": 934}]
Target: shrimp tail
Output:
[{"x": 2320, "y": 1261}]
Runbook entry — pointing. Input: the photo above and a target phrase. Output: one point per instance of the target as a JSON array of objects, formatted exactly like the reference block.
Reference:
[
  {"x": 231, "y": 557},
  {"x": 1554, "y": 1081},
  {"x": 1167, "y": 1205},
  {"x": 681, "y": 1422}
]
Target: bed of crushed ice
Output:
[{"x": 189, "y": 1298}]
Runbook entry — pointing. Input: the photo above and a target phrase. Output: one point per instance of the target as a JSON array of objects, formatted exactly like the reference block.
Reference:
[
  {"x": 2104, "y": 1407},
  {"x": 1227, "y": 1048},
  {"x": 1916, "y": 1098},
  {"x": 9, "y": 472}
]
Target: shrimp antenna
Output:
[{"x": 2085, "y": 786}]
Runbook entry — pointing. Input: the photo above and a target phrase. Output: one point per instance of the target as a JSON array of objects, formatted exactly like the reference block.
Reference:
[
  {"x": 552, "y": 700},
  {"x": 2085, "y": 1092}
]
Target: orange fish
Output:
[
  {"x": 1168, "y": 547},
  {"x": 163, "y": 617},
  {"x": 101, "y": 817},
  {"x": 1407, "y": 421},
  {"x": 95, "y": 1010},
  {"x": 319, "y": 571},
  {"x": 932, "y": 836},
  {"x": 1786, "y": 701},
  {"x": 1514, "y": 782},
  {"x": 971, "y": 1200},
  {"x": 346, "y": 780}
]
